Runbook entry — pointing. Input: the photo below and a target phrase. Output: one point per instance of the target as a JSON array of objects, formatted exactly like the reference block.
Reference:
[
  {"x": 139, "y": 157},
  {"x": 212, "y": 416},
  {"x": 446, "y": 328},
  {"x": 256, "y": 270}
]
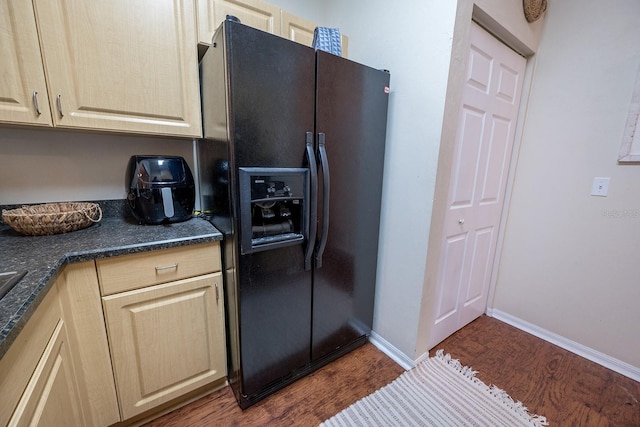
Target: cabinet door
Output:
[
  {"x": 51, "y": 397},
  {"x": 254, "y": 13},
  {"x": 122, "y": 65},
  {"x": 301, "y": 31},
  {"x": 21, "y": 359},
  {"x": 23, "y": 92},
  {"x": 166, "y": 340},
  {"x": 297, "y": 29},
  {"x": 82, "y": 310}
]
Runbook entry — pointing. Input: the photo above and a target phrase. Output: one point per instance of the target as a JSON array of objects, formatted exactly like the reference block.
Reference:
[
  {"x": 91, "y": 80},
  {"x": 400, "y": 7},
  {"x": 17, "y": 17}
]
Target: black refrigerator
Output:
[{"x": 290, "y": 171}]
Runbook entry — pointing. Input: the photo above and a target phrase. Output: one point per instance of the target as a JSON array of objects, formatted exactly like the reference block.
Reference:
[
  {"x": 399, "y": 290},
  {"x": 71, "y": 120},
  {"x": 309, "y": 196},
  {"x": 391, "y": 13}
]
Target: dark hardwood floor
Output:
[
  {"x": 569, "y": 390},
  {"x": 307, "y": 402}
]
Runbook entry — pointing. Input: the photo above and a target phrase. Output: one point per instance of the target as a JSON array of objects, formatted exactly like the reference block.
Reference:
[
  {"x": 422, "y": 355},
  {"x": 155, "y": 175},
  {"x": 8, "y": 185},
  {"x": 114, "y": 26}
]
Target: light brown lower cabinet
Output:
[
  {"x": 79, "y": 297},
  {"x": 51, "y": 397},
  {"x": 37, "y": 379},
  {"x": 166, "y": 340},
  {"x": 84, "y": 359}
]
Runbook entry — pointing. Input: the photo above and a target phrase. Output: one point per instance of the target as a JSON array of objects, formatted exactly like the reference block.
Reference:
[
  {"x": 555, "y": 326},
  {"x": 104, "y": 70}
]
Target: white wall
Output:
[
  {"x": 423, "y": 44},
  {"x": 38, "y": 166},
  {"x": 570, "y": 261},
  {"x": 506, "y": 20},
  {"x": 412, "y": 39},
  {"x": 47, "y": 165}
]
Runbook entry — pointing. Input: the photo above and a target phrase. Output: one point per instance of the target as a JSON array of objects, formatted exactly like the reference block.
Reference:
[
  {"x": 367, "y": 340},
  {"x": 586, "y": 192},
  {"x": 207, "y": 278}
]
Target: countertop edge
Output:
[
  {"x": 22, "y": 316},
  {"x": 80, "y": 256},
  {"x": 19, "y": 319}
]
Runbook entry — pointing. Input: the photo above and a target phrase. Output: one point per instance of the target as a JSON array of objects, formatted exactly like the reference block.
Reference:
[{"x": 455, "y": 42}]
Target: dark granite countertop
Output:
[{"x": 44, "y": 256}]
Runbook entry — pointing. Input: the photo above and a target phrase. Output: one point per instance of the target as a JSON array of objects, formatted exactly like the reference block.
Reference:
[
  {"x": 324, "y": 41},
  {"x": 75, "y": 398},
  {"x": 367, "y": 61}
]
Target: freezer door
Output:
[
  {"x": 351, "y": 117},
  {"x": 271, "y": 98},
  {"x": 271, "y": 110}
]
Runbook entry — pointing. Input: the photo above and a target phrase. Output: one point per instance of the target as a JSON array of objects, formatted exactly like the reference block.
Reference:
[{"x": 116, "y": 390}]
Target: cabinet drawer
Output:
[{"x": 128, "y": 272}]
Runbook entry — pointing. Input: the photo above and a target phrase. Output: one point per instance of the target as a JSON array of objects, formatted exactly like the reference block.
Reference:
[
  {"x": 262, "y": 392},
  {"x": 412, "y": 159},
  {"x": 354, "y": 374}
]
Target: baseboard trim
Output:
[
  {"x": 581, "y": 350},
  {"x": 393, "y": 352}
]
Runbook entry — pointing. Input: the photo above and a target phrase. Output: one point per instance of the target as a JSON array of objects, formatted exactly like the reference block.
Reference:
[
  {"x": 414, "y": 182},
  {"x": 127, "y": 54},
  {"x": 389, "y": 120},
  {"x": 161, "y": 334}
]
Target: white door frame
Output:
[{"x": 445, "y": 160}]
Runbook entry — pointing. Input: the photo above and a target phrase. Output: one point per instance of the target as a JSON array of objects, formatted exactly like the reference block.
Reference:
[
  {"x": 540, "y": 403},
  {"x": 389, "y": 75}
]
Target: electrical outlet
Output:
[{"x": 600, "y": 187}]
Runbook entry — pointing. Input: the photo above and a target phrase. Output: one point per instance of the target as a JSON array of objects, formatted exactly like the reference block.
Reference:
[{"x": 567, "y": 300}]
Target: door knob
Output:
[{"x": 461, "y": 221}]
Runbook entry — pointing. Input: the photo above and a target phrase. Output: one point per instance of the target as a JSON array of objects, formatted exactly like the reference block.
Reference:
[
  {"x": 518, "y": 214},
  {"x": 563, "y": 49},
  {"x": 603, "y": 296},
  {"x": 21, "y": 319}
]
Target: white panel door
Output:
[{"x": 484, "y": 141}]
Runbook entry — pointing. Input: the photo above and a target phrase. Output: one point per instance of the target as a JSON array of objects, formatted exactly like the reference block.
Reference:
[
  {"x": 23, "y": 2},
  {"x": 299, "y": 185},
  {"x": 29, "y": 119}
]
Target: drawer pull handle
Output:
[
  {"x": 217, "y": 294},
  {"x": 167, "y": 267}
]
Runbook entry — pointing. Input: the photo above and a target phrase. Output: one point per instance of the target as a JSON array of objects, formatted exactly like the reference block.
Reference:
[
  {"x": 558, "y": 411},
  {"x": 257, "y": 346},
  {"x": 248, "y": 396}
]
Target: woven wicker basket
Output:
[
  {"x": 533, "y": 9},
  {"x": 52, "y": 218}
]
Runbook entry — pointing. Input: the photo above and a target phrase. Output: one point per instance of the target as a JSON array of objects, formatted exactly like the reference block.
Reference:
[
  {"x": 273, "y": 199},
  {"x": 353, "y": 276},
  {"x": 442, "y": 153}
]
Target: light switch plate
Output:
[{"x": 600, "y": 186}]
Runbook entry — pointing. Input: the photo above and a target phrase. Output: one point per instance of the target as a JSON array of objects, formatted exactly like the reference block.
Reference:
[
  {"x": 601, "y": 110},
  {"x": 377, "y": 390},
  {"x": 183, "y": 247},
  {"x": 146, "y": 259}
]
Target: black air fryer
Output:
[{"x": 161, "y": 189}]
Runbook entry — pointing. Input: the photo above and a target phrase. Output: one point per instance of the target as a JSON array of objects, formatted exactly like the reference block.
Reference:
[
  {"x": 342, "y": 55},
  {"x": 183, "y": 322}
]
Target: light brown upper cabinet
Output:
[
  {"x": 23, "y": 92},
  {"x": 257, "y": 14},
  {"x": 121, "y": 66},
  {"x": 297, "y": 29},
  {"x": 301, "y": 31}
]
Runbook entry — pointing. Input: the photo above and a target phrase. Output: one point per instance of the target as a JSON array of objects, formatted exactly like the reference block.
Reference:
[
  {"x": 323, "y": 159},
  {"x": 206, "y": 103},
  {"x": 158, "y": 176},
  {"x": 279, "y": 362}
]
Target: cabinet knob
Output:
[{"x": 461, "y": 221}]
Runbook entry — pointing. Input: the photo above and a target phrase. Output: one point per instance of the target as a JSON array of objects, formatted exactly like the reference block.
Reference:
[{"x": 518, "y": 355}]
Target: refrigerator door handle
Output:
[
  {"x": 313, "y": 201},
  {"x": 326, "y": 181}
]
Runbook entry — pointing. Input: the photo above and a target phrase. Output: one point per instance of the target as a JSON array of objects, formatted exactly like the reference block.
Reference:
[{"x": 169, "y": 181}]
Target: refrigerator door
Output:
[
  {"x": 351, "y": 117},
  {"x": 271, "y": 109}
]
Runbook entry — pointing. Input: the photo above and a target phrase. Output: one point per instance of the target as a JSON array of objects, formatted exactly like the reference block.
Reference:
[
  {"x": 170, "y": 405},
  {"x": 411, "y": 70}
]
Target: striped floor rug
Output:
[{"x": 437, "y": 392}]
